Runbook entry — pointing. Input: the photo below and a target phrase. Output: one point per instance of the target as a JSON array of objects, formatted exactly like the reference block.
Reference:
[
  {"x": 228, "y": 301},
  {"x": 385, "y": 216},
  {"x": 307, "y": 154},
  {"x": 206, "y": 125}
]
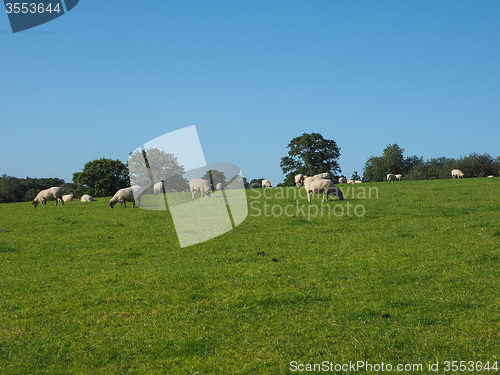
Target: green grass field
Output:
[{"x": 89, "y": 290}]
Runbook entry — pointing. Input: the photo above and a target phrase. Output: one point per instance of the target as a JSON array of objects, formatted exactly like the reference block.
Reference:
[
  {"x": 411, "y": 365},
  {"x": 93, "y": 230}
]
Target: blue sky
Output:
[{"x": 251, "y": 75}]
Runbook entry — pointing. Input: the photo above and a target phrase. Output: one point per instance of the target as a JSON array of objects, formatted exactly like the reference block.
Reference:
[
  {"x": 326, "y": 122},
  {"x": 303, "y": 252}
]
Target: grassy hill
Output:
[{"x": 410, "y": 277}]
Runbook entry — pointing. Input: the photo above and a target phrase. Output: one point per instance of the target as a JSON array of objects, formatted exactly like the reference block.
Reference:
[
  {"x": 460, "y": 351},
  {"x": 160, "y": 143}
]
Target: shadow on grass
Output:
[{"x": 6, "y": 248}]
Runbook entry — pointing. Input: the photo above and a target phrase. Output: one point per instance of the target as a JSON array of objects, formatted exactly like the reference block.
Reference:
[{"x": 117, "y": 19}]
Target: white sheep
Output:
[
  {"x": 158, "y": 188},
  {"x": 299, "y": 179},
  {"x": 128, "y": 194},
  {"x": 316, "y": 185},
  {"x": 325, "y": 176},
  {"x": 50, "y": 194},
  {"x": 391, "y": 177},
  {"x": 490, "y": 176},
  {"x": 87, "y": 198},
  {"x": 342, "y": 180},
  {"x": 358, "y": 182},
  {"x": 399, "y": 177},
  {"x": 66, "y": 198},
  {"x": 350, "y": 181},
  {"x": 199, "y": 185},
  {"x": 457, "y": 173},
  {"x": 266, "y": 183},
  {"x": 218, "y": 186}
]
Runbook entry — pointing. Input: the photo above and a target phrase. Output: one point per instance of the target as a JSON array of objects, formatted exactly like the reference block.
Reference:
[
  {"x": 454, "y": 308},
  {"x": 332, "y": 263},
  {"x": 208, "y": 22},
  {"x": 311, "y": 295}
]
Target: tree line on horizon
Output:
[
  {"x": 308, "y": 154},
  {"x": 103, "y": 177},
  {"x": 416, "y": 168},
  {"x": 311, "y": 154}
]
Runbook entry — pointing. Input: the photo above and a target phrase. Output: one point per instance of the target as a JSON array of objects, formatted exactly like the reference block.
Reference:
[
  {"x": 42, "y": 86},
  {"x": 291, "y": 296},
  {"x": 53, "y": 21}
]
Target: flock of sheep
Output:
[
  {"x": 320, "y": 183},
  {"x": 56, "y": 194},
  {"x": 128, "y": 194},
  {"x": 455, "y": 173}
]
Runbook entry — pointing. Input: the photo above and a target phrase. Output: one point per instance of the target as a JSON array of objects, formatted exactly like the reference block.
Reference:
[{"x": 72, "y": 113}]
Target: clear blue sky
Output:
[{"x": 251, "y": 75}]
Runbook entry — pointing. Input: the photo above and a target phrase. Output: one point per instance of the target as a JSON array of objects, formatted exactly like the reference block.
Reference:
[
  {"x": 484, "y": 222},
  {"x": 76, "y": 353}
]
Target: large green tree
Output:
[
  {"x": 101, "y": 178},
  {"x": 153, "y": 165},
  {"x": 310, "y": 154},
  {"x": 392, "y": 161},
  {"x": 214, "y": 177}
]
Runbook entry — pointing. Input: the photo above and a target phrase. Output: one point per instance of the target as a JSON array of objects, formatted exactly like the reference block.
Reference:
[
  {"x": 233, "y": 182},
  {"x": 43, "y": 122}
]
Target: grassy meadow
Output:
[{"x": 413, "y": 279}]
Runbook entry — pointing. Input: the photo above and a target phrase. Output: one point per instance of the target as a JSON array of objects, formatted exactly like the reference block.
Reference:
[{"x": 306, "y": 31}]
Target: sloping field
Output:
[{"x": 400, "y": 273}]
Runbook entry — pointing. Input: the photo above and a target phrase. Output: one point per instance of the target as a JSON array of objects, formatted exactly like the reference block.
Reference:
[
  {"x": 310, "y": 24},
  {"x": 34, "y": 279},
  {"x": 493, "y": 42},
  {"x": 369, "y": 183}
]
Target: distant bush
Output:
[
  {"x": 392, "y": 161},
  {"x": 256, "y": 183},
  {"x": 415, "y": 168},
  {"x": 13, "y": 189}
]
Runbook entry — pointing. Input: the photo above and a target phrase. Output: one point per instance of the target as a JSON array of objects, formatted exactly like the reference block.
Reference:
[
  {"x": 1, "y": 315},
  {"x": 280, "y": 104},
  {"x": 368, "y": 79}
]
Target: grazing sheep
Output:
[
  {"x": 457, "y": 173},
  {"x": 350, "y": 181},
  {"x": 342, "y": 180},
  {"x": 158, "y": 188},
  {"x": 50, "y": 194},
  {"x": 66, "y": 198},
  {"x": 87, "y": 198},
  {"x": 399, "y": 177},
  {"x": 198, "y": 185},
  {"x": 128, "y": 194},
  {"x": 299, "y": 180},
  {"x": 490, "y": 176},
  {"x": 266, "y": 183},
  {"x": 218, "y": 186},
  {"x": 358, "y": 182},
  {"x": 320, "y": 185},
  {"x": 325, "y": 176},
  {"x": 391, "y": 177}
]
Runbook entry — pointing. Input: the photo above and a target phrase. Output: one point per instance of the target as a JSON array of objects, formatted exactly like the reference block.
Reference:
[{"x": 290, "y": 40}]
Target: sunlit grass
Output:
[{"x": 86, "y": 289}]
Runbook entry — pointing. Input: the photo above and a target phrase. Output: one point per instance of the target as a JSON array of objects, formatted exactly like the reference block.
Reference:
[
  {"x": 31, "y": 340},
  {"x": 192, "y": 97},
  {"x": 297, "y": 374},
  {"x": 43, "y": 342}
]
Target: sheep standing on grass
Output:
[
  {"x": 358, "y": 182},
  {"x": 342, "y": 180},
  {"x": 350, "y": 181},
  {"x": 50, "y": 194},
  {"x": 391, "y": 177},
  {"x": 266, "y": 183},
  {"x": 128, "y": 194},
  {"x": 457, "y": 173},
  {"x": 316, "y": 185},
  {"x": 299, "y": 179},
  {"x": 87, "y": 198},
  {"x": 66, "y": 198},
  {"x": 199, "y": 185},
  {"x": 218, "y": 186},
  {"x": 399, "y": 177},
  {"x": 158, "y": 188}
]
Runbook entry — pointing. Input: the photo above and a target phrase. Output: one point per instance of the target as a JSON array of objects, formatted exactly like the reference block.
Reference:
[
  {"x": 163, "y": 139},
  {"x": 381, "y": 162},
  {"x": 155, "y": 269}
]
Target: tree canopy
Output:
[
  {"x": 153, "y": 165},
  {"x": 310, "y": 154},
  {"x": 255, "y": 183},
  {"x": 214, "y": 177},
  {"x": 13, "y": 189},
  {"x": 392, "y": 161},
  {"x": 415, "y": 168},
  {"x": 101, "y": 178}
]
